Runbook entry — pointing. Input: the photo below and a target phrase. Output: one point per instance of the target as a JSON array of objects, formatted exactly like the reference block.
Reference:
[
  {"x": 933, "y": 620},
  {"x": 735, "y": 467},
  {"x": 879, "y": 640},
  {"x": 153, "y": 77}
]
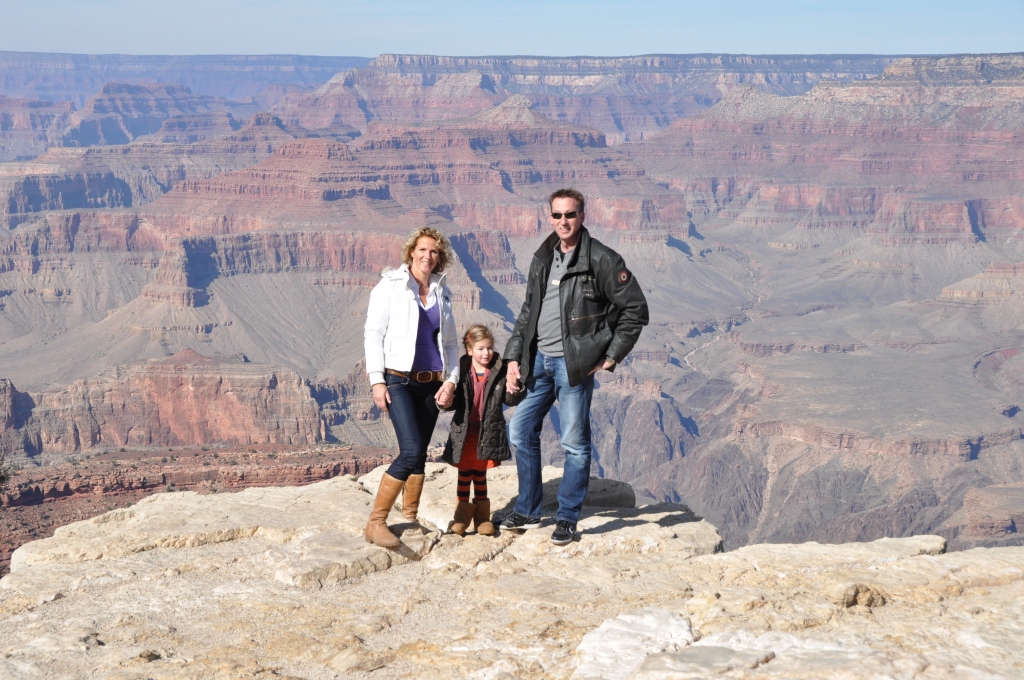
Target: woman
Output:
[{"x": 412, "y": 361}]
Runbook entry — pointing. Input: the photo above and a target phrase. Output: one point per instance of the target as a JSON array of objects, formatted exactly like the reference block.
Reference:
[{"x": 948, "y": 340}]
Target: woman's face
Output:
[{"x": 425, "y": 255}]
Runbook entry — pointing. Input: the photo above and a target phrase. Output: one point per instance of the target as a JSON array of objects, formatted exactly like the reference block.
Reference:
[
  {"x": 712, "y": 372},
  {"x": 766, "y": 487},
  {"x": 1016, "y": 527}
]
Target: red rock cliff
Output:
[{"x": 186, "y": 399}]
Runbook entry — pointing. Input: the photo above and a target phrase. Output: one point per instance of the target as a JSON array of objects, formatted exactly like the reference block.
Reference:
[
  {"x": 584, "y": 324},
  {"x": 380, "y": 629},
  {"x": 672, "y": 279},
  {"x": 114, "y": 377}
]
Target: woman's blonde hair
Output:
[
  {"x": 444, "y": 248},
  {"x": 475, "y": 334}
]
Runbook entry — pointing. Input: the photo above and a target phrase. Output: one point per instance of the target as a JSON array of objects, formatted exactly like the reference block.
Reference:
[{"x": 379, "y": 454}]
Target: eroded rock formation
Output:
[
  {"x": 877, "y": 228},
  {"x": 625, "y": 97},
  {"x": 184, "y": 400},
  {"x": 25, "y": 124},
  {"x": 831, "y": 263}
]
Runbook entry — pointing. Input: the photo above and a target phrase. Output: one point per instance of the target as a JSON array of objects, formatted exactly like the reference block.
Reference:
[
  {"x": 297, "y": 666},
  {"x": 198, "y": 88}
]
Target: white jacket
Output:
[{"x": 392, "y": 322}]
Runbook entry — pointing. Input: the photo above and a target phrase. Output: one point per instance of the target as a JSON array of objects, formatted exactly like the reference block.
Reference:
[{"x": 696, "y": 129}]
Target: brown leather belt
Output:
[{"x": 418, "y": 376}]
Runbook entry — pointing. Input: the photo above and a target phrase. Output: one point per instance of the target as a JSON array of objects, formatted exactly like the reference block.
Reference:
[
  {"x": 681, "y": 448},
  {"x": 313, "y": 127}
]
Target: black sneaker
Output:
[
  {"x": 517, "y": 521},
  {"x": 564, "y": 533}
]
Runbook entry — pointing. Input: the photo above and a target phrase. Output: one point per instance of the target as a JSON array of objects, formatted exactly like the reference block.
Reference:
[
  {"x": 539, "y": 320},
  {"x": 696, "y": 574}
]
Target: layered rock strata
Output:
[
  {"x": 25, "y": 125},
  {"x": 488, "y": 171},
  {"x": 625, "y": 97},
  {"x": 127, "y": 175},
  {"x": 121, "y": 113},
  {"x": 804, "y": 374},
  {"x": 999, "y": 282},
  {"x": 874, "y": 372},
  {"x": 186, "y": 399}
]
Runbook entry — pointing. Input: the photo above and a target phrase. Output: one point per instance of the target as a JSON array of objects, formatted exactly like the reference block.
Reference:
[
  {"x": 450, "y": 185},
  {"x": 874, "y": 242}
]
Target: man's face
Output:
[{"x": 567, "y": 228}]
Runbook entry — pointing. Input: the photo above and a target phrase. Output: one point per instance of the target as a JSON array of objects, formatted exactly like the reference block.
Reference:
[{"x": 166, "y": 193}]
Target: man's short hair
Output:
[{"x": 568, "y": 193}]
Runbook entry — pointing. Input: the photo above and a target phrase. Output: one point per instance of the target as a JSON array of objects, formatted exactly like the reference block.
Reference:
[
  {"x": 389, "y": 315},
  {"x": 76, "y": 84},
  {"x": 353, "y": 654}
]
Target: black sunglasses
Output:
[{"x": 569, "y": 215}]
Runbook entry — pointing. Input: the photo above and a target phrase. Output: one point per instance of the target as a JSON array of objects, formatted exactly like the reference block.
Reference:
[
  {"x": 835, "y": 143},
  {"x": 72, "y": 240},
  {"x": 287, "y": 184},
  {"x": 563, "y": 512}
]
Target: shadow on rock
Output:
[
  {"x": 602, "y": 493},
  {"x": 417, "y": 534},
  {"x": 632, "y": 517}
]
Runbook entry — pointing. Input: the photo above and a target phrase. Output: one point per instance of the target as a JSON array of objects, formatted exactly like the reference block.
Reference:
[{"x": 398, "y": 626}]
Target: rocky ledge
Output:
[{"x": 279, "y": 582}]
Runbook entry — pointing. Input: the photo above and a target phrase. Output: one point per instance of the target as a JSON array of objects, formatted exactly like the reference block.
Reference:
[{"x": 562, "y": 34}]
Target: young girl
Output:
[{"x": 478, "y": 439}]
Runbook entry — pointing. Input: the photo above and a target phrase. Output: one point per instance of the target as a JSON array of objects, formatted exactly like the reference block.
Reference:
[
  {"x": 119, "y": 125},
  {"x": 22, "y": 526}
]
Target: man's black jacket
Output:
[{"x": 603, "y": 308}]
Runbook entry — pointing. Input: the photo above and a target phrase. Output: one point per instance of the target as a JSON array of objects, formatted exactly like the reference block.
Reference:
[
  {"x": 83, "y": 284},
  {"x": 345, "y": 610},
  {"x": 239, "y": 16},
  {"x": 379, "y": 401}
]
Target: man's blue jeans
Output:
[{"x": 547, "y": 383}]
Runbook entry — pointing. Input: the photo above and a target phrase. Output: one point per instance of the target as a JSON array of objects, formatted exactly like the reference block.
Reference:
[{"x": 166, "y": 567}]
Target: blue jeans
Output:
[
  {"x": 413, "y": 412},
  {"x": 547, "y": 382}
]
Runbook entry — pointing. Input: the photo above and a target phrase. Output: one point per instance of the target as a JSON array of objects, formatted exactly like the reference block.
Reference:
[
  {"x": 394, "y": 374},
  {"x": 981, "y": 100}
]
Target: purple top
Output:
[{"x": 428, "y": 356}]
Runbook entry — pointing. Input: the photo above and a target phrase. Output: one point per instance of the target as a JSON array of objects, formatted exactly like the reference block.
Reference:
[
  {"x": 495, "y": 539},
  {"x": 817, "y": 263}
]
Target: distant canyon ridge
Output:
[{"x": 832, "y": 247}]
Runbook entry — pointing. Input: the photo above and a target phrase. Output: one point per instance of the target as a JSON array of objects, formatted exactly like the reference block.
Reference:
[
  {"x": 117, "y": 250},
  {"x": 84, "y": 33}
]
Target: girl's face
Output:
[{"x": 482, "y": 352}]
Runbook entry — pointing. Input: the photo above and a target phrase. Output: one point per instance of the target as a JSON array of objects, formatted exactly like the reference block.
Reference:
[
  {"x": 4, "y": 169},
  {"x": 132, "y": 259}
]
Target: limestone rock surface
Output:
[
  {"x": 280, "y": 582},
  {"x": 437, "y": 504}
]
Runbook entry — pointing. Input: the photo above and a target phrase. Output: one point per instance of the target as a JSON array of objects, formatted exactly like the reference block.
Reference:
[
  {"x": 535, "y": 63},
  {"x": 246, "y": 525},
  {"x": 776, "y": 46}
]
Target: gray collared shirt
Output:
[{"x": 549, "y": 323}]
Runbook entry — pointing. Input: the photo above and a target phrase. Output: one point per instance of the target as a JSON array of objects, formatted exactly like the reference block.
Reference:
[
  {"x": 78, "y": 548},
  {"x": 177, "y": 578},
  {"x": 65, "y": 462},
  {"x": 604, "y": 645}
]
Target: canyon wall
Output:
[
  {"x": 76, "y": 77},
  {"x": 878, "y": 224},
  {"x": 625, "y": 97},
  {"x": 184, "y": 400},
  {"x": 832, "y": 264}
]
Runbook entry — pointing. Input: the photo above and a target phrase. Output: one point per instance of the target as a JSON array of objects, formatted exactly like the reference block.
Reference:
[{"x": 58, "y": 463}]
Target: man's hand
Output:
[
  {"x": 512, "y": 377},
  {"x": 381, "y": 396},
  {"x": 602, "y": 365},
  {"x": 445, "y": 395}
]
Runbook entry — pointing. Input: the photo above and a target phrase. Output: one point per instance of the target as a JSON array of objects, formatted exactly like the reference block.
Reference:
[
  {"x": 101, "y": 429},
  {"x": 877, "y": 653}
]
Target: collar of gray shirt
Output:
[{"x": 559, "y": 255}]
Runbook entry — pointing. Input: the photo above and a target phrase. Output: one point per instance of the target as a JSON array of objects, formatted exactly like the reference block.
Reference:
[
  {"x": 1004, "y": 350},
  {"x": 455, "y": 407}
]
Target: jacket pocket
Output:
[{"x": 585, "y": 325}]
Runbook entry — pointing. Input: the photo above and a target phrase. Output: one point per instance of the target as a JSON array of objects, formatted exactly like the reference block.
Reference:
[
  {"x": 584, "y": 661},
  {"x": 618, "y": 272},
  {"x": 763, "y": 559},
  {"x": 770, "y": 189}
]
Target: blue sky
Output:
[{"x": 552, "y": 27}]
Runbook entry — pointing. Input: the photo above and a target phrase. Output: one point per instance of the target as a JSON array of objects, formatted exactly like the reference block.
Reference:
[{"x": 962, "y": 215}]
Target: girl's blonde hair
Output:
[
  {"x": 443, "y": 247},
  {"x": 475, "y": 334}
]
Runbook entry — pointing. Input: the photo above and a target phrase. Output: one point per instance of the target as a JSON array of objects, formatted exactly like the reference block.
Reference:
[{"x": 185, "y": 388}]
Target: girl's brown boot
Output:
[
  {"x": 482, "y": 517},
  {"x": 463, "y": 516}
]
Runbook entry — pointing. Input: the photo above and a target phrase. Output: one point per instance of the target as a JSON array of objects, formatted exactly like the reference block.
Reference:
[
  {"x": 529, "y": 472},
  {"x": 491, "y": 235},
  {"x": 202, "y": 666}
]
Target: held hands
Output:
[
  {"x": 445, "y": 395},
  {"x": 381, "y": 396},
  {"x": 512, "y": 377}
]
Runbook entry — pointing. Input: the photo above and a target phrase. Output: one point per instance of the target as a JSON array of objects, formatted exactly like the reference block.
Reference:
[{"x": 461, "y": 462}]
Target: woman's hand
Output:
[
  {"x": 381, "y": 396},
  {"x": 445, "y": 395}
]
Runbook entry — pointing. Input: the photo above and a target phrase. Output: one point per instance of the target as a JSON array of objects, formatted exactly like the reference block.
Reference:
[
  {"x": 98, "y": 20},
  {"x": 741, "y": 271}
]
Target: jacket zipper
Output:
[{"x": 583, "y": 318}]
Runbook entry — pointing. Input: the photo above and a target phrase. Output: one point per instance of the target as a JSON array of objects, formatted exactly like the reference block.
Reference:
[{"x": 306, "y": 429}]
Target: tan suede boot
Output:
[
  {"x": 482, "y": 517},
  {"x": 411, "y": 497},
  {"x": 377, "y": 531},
  {"x": 463, "y": 517}
]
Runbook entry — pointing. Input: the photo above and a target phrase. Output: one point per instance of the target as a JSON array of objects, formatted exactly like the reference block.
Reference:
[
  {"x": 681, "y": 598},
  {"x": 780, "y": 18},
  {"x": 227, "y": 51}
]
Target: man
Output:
[{"x": 583, "y": 313}]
